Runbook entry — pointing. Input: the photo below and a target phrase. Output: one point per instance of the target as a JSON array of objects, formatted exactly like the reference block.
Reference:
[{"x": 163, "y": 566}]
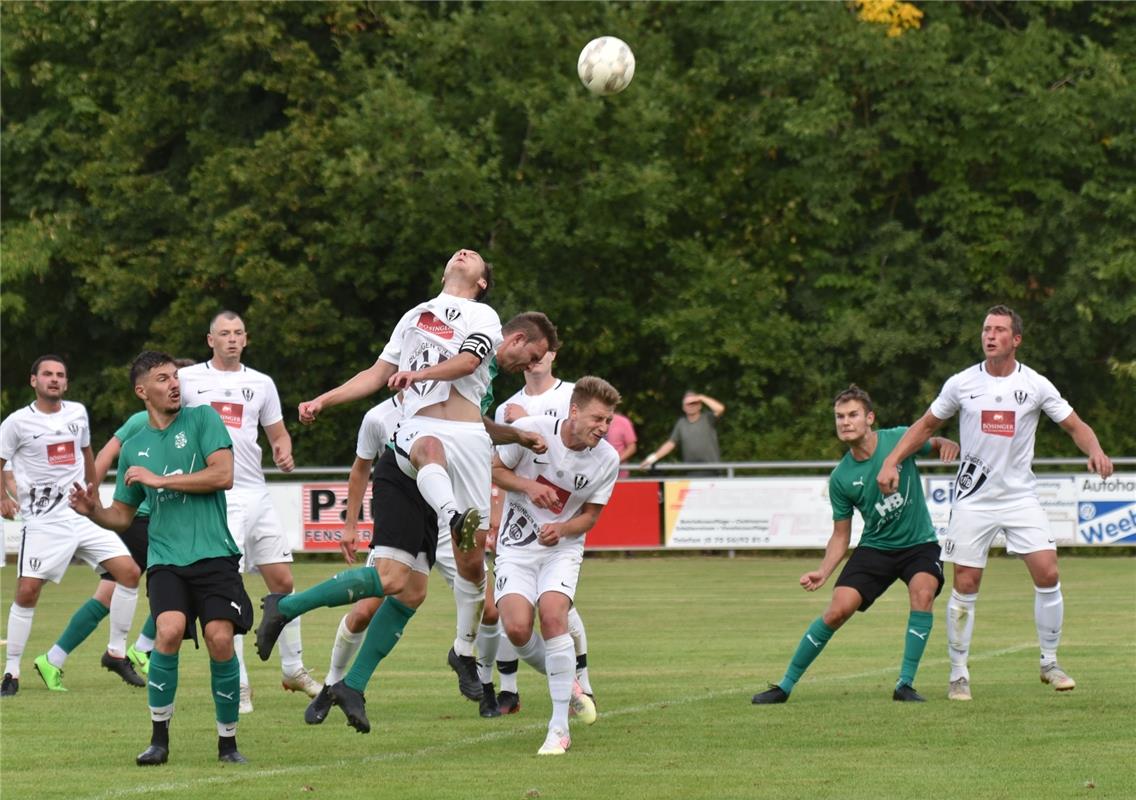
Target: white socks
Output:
[
  {"x": 343, "y": 652},
  {"x": 436, "y": 488},
  {"x": 1048, "y": 614},
  {"x": 19, "y": 629},
  {"x": 469, "y": 598},
  {"x": 291, "y": 649},
  {"x": 560, "y": 658},
  {"x": 122, "y": 604},
  {"x": 532, "y": 652},
  {"x": 960, "y": 629},
  {"x": 488, "y": 644},
  {"x": 580, "y": 641}
]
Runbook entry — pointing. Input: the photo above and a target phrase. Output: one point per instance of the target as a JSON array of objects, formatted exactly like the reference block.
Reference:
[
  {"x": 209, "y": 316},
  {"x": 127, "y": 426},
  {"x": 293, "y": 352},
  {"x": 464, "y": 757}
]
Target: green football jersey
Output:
[
  {"x": 136, "y": 424},
  {"x": 487, "y": 399},
  {"x": 894, "y": 522},
  {"x": 184, "y": 527}
]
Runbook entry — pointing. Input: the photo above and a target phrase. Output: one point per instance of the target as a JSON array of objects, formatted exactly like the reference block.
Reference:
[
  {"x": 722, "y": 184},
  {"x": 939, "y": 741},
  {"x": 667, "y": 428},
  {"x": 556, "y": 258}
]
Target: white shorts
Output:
[
  {"x": 418, "y": 563},
  {"x": 530, "y": 575},
  {"x": 256, "y": 528},
  {"x": 47, "y": 547},
  {"x": 469, "y": 454},
  {"x": 971, "y": 532}
]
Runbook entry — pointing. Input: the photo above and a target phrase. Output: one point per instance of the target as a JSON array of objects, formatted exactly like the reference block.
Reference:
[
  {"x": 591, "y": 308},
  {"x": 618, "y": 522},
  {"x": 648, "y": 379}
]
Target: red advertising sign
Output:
[
  {"x": 630, "y": 520},
  {"x": 323, "y": 507}
]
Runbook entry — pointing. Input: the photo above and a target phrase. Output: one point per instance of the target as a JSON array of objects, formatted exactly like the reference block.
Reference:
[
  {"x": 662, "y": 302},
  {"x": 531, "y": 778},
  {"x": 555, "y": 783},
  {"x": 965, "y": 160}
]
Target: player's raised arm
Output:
[
  {"x": 363, "y": 384},
  {"x": 913, "y": 439}
]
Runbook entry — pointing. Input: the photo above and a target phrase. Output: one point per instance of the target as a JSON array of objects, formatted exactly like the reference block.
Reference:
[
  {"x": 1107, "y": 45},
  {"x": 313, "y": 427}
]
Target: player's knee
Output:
[
  {"x": 519, "y": 633},
  {"x": 413, "y": 594},
  {"x": 835, "y": 616},
  {"x": 471, "y": 565},
  {"x": 28, "y": 595}
]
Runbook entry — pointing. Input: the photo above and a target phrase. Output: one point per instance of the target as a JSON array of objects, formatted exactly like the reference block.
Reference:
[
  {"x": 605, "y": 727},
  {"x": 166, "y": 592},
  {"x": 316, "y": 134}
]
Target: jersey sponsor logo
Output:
[
  {"x": 998, "y": 422},
  {"x": 231, "y": 413},
  {"x": 970, "y": 478},
  {"x": 61, "y": 453},
  {"x": 562, "y": 495},
  {"x": 431, "y": 324},
  {"x": 889, "y": 504}
]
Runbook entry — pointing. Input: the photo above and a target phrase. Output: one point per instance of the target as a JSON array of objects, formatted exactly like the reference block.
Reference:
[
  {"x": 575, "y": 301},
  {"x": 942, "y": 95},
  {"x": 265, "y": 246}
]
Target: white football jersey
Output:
[
  {"x": 577, "y": 476},
  {"x": 435, "y": 331},
  {"x": 45, "y": 452},
  {"x": 245, "y": 399},
  {"x": 553, "y": 402},
  {"x": 377, "y": 428},
  {"x": 997, "y": 423}
]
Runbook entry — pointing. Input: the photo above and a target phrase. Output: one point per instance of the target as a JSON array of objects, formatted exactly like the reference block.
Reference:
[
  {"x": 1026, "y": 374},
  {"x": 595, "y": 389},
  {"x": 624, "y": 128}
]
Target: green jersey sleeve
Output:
[
  {"x": 487, "y": 399},
  {"x": 132, "y": 427},
  {"x": 841, "y": 502}
]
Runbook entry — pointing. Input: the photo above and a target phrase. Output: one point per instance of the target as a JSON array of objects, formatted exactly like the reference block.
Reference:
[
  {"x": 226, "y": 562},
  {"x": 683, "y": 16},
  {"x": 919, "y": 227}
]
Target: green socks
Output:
[
  {"x": 83, "y": 622},
  {"x": 226, "y": 685},
  {"x": 162, "y": 679},
  {"x": 341, "y": 589},
  {"x": 382, "y": 635},
  {"x": 150, "y": 628},
  {"x": 918, "y": 629},
  {"x": 814, "y": 640}
]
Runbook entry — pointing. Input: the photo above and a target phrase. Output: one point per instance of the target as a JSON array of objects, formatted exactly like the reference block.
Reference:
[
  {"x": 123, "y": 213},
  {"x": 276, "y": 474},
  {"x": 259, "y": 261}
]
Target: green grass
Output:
[{"x": 677, "y": 646}]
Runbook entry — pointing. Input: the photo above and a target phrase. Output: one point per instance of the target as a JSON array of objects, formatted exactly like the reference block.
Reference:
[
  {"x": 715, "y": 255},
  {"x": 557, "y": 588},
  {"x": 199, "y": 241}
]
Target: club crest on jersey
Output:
[
  {"x": 452, "y": 313},
  {"x": 180, "y": 441},
  {"x": 74, "y": 427},
  {"x": 580, "y": 481},
  {"x": 1021, "y": 396},
  {"x": 431, "y": 324},
  {"x": 248, "y": 393}
]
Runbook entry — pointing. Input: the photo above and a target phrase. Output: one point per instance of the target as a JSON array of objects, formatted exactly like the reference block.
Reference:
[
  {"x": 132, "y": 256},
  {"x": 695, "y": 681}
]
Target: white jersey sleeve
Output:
[
  {"x": 946, "y": 405},
  {"x": 377, "y": 428}
]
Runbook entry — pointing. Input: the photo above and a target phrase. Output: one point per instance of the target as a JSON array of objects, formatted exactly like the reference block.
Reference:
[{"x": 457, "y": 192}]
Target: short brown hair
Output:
[
  {"x": 854, "y": 392},
  {"x": 590, "y": 388},
  {"x": 1006, "y": 311},
  {"x": 535, "y": 325},
  {"x": 488, "y": 276}
]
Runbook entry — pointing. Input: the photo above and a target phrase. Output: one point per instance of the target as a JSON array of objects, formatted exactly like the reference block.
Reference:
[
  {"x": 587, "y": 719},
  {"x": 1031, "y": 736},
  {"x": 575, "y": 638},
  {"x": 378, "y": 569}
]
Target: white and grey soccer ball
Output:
[{"x": 606, "y": 65}]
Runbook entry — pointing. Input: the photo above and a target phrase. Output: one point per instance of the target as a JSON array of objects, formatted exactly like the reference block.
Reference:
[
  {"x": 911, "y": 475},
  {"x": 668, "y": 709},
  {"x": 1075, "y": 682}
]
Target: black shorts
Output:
[
  {"x": 137, "y": 540},
  {"x": 870, "y": 571},
  {"x": 204, "y": 590},
  {"x": 403, "y": 519}
]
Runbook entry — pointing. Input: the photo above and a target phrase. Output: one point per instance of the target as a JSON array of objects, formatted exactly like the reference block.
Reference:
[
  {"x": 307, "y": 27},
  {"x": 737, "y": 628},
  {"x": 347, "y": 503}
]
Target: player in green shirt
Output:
[
  {"x": 898, "y": 542},
  {"x": 181, "y": 463}
]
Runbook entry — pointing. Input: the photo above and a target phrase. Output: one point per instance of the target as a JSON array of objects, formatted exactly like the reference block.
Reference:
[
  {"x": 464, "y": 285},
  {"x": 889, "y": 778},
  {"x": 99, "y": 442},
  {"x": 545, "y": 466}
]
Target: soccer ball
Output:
[{"x": 606, "y": 65}]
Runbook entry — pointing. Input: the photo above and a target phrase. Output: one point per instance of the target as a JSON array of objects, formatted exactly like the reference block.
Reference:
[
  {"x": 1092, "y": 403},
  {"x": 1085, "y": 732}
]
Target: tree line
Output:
[{"x": 789, "y": 197}]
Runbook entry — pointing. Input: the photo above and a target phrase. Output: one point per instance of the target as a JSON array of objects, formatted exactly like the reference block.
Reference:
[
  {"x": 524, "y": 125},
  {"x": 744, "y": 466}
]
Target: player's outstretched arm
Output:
[
  {"x": 105, "y": 457},
  {"x": 834, "y": 553},
  {"x": 364, "y": 384},
  {"x": 542, "y": 496},
  {"x": 449, "y": 370},
  {"x": 913, "y": 439},
  {"x": 85, "y": 500},
  {"x": 1086, "y": 440},
  {"x": 508, "y": 434}
]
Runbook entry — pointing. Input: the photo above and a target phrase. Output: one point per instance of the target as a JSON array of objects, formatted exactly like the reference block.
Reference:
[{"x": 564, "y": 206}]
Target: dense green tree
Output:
[{"x": 789, "y": 197}]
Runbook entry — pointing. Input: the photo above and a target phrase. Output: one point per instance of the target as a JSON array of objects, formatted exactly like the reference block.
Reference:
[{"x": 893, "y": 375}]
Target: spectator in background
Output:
[
  {"x": 621, "y": 436},
  {"x": 695, "y": 433}
]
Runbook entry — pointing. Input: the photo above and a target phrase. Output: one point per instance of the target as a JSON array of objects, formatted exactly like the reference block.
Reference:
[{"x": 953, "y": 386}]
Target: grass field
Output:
[{"x": 677, "y": 646}]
